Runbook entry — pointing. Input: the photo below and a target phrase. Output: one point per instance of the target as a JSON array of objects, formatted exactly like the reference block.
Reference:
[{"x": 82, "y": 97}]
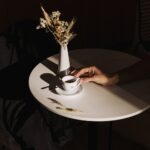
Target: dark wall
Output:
[{"x": 100, "y": 23}]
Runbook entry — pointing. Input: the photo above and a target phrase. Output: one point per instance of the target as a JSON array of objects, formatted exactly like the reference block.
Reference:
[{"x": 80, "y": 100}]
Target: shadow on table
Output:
[
  {"x": 128, "y": 97},
  {"x": 52, "y": 80},
  {"x": 50, "y": 65},
  {"x": 140, "y": 89}
]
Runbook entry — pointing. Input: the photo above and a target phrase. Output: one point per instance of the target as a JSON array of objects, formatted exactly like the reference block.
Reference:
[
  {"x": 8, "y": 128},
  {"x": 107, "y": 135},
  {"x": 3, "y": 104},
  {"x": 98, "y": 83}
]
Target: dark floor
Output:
[{"x": 80, "y": 140}]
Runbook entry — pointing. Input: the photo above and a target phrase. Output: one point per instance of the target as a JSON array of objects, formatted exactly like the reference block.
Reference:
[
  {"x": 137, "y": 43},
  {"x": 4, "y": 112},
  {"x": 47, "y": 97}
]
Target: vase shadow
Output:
[{"x": 50, "y": 65}]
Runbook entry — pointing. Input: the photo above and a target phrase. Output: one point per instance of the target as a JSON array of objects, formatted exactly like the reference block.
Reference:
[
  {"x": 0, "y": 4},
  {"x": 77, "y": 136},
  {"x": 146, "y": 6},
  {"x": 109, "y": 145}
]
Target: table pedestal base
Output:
[{"x": 93, "y": 136}]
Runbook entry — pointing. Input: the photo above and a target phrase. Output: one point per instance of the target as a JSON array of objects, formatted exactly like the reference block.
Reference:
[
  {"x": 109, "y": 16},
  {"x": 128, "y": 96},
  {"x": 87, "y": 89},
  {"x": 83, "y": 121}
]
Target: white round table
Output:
[{"x": 93, "y": 102}]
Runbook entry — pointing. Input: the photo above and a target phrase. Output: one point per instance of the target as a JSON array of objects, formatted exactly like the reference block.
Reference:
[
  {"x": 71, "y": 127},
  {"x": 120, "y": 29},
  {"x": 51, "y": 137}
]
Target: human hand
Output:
[{"x": 93, "y": 74}]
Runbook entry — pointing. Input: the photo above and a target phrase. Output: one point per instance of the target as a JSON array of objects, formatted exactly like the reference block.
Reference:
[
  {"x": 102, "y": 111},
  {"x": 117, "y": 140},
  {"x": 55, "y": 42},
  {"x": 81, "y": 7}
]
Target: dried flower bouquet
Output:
[{"x": 60, "y": 29}]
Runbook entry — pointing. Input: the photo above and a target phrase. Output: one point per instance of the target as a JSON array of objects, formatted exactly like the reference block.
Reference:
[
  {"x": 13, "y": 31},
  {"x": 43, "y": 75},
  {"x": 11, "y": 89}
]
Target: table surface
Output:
[{"x": 93, "y": 102}]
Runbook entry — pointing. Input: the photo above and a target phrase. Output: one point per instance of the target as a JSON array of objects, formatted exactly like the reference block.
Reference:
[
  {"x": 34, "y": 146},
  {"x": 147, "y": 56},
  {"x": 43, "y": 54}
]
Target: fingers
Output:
[
  {"x": 82, "y": 71},
  {"x": 93, "y": 74},
  {"x": 73, "y": 72},
  {"x": 85, "y": 72},
  {"x": 88, "y": 79}
]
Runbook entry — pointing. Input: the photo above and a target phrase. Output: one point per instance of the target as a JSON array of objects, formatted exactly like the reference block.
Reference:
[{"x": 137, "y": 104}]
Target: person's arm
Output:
[
  {"x": 94, "y": 74},
  {"x": 138, "y": 71}
]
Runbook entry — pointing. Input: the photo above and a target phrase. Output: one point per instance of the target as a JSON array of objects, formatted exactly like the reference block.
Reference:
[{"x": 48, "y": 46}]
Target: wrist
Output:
[{"x": 112, "y": 80}]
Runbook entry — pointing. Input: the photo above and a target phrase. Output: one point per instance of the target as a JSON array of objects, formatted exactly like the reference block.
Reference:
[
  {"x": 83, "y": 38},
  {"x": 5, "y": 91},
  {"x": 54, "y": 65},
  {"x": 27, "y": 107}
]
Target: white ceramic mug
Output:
[{"x": 70, "y": 82}]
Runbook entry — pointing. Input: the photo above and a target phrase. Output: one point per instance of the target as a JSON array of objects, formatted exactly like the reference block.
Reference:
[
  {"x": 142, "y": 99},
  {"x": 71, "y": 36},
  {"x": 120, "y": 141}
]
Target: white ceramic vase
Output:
[{"x": 64, "y": 63}]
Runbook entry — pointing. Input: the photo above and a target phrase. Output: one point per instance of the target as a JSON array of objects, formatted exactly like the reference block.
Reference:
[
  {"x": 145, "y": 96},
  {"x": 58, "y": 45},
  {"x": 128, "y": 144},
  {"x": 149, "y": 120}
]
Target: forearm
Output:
[{"x": 138, "y": 71}]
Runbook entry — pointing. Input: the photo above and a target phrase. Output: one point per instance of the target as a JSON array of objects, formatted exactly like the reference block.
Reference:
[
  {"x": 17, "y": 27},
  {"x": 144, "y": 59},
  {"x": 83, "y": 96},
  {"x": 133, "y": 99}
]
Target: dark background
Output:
[{"x": 100, "y": 23}]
